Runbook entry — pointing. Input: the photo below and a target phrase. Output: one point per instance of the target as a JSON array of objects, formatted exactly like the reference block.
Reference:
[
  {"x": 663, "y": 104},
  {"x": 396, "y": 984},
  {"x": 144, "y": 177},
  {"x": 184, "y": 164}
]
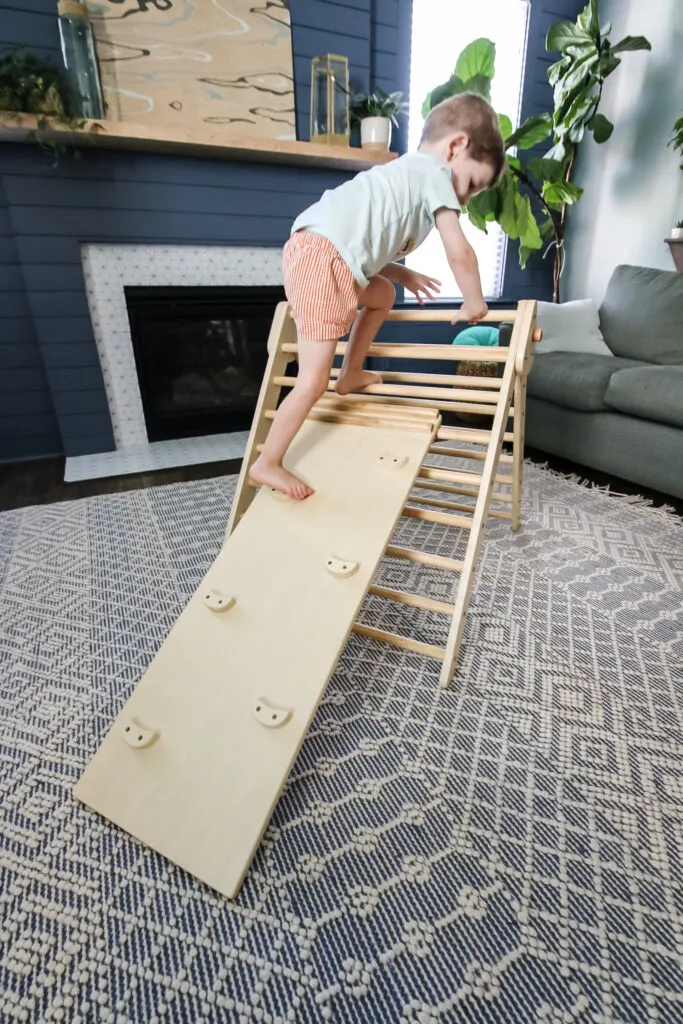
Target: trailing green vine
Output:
[{"x": 31, "y": 85}]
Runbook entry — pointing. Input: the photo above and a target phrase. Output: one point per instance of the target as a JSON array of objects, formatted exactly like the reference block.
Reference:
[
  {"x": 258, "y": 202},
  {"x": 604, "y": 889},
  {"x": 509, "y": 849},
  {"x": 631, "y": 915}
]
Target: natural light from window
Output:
[{"x": 441, "y": 29}]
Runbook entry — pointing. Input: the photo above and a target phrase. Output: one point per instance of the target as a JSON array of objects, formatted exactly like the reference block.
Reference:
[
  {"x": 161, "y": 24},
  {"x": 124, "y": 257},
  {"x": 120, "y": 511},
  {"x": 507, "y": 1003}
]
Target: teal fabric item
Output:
[
  {"x": 575, "y": 380},
  {"x": 641, "y": 316},
  {"x": 477, "y": 336},
  {"x": 652, "y": 393}
]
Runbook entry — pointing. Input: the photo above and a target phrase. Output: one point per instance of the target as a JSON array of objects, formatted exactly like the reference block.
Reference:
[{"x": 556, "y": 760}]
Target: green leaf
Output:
[
  {"x": 480, "y": 84},
  {"x": 547, "y": 229},
  {"x": 529, "y": 234},
  {"x": 484, "y": 206},
  {"x": 556, "y": 194},
  {"x": 581, "y": 69},
  {"x": 524, "y": 253},
  {"x": 632, "y": 43},
  {"x": 566, "y": 36},
  {"x": 557, "y": 70},
  {"x": 557, "y": 152},
  {"x": 589, "y": 19},
  {"x": 514, "y": 161},
  {"x": 546, "y": 170},
  {"x": 478, "y": 58},
  {"x": 452, "y": 87},
  {"x": 505, "y": 125},
  {"x": 608, "y": 64},
  {"x": 601, "y": 127},
  {"x": 534, "y": 130}
]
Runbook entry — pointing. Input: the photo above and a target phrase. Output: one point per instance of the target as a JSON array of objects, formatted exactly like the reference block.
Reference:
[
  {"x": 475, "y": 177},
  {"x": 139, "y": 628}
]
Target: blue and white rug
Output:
[{"x": 510, "y": 850}]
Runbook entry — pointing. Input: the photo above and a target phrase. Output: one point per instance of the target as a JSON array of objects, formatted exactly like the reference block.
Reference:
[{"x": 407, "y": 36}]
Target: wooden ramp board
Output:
[{"x": 195, "y": 762}]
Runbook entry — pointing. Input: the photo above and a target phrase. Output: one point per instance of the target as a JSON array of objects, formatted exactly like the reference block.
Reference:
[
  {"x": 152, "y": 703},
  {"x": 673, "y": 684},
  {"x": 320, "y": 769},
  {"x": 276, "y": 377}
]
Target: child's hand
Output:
[
  {"x": 420, "y": 284},
  {"x": 471, "y": 312}
]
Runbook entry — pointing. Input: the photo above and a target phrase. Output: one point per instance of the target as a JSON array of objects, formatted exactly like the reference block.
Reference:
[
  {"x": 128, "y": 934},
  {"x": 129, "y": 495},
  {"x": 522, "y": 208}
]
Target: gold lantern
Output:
[{"x": 330, "y": 100}]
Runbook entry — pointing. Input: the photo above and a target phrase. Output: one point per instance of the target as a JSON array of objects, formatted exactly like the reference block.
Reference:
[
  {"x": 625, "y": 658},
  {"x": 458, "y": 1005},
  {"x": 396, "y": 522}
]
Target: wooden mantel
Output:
[{"x": 214, "y": 145}]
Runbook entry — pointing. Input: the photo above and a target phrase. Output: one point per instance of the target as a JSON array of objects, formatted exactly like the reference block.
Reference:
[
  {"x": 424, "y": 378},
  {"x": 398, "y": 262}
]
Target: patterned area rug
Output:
[{"x": 510, "y": 850}]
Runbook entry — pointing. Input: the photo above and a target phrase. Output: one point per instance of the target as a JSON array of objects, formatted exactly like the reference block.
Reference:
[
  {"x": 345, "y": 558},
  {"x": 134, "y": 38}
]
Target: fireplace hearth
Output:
[{"x": 200, "y": 355}]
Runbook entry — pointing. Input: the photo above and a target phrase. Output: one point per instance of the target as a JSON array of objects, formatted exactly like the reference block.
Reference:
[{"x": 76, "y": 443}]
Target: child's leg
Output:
[
  {"x": 315, "y": 361},
  {"x": 377, "y": 299}
]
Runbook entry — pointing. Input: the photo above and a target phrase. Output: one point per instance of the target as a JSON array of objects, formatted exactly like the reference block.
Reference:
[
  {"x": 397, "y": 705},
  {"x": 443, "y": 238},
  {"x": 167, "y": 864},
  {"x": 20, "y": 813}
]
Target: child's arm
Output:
[
  {"x": 463, "y": 262},
  {"x": 421, "y": 285}
]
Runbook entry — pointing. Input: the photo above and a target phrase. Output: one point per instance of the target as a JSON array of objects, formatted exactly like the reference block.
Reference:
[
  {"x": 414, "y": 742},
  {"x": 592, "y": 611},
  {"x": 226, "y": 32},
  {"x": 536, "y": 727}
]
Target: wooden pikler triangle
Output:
[{"x": 195, "y": 762}]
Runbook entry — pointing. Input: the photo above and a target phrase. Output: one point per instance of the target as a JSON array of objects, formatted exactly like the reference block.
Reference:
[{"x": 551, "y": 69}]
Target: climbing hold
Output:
[
  {"x": 137, "y": 735},
  {"x": 217, "y": 602},
  {"x": 278, "y": 495},
  {"x": 340, "y": 566},
  {"x": 388, "y": 461},
  {"x": 270, "y": 715}
]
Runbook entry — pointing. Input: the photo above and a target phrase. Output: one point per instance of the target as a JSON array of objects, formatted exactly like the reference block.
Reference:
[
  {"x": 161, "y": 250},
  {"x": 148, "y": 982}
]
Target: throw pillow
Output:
[{"x": 570, "y": 327}]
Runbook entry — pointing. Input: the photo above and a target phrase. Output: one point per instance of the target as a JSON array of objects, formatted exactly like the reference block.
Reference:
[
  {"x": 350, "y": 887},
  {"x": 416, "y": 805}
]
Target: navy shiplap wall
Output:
[
  {"x": 52, "y": 396},
  {"x": 27, "y": 418}
]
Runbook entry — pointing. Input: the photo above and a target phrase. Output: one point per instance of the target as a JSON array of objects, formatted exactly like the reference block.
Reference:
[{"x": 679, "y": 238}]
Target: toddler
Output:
[{"x": 341, "y": 253}]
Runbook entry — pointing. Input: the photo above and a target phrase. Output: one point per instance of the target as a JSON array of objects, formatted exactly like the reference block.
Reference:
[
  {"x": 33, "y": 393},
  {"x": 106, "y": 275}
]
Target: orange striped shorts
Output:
[{"x": 320, "y": 287}]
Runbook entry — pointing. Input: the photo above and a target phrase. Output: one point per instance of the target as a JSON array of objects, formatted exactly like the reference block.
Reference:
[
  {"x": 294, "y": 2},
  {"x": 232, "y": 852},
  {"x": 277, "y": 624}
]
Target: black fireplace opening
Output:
[{"x": 200, "y": 354}]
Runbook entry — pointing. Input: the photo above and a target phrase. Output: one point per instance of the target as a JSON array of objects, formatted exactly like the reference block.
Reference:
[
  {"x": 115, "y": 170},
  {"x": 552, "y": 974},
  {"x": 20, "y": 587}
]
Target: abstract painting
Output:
[{"x": 203, "y": 66}]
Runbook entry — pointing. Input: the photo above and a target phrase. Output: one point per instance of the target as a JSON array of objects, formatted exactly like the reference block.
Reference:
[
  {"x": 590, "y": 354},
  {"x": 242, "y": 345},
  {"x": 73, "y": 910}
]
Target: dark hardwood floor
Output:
[{"x": 42, "y": 482}]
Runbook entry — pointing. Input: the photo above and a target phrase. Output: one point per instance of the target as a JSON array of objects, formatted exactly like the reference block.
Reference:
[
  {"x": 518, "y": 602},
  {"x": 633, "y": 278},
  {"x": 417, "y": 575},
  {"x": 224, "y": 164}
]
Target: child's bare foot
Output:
[
  {"x": 269, "y": 475},
  {"x": 356, "y": 380}
]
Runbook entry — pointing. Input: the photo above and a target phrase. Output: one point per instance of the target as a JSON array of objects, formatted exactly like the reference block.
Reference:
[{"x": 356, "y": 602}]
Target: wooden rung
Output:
[
  {"x": 438, "y": 353},
  {"x": 471, "y": 435},
  {"x": 406, "y": 642},
  {"x": 436, "y": 394},
  {"x": 424, "y": 558},
  {"x": 414, "y": 600},
  {"x": 445, "y": 379},
  {"x": 430, "y": 403},
  {"x": 470, "y": 492},
  {"x": 362, "y": 419},
  {"x": 433, "y": 395},
  {"x": 436, "y": 315},
  {"x": 432, "y": 315},
  {"x": 464, "y": 453},
  {"x": 457, "y": 507},
  {"x": 459, "y": 522},
  {"x": 358, "y": 403},
  {"x": 456, "y": 476}
]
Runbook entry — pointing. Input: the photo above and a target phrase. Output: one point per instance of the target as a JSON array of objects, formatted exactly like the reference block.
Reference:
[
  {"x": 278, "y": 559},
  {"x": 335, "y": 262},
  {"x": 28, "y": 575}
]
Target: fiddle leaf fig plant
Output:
[
  {"x": 676, "y": 143},
  {"x": 531, "y": 200}
]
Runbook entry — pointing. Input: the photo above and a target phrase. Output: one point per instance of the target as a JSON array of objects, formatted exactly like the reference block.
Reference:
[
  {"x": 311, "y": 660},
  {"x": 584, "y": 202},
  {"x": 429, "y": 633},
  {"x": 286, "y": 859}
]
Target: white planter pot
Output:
[
  {"x": 375, "y": 132},
  {"x": 677, "y": 233}
]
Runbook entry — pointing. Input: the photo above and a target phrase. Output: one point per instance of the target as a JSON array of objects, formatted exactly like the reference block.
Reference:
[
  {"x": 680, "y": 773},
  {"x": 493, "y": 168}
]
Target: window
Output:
[{"x": 441, "y": 29}]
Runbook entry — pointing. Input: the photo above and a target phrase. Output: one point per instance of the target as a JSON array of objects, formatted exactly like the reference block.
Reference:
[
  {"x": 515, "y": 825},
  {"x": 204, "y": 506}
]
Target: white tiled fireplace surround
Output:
[{"x": 108, "y": 269}]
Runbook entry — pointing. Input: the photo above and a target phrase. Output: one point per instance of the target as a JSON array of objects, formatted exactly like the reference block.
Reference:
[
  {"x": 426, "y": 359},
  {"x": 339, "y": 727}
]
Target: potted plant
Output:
[
  {"x": 677, "y": 232},
  {"x": 376, "y": 112},
  {"x": 29, "y": 85}
]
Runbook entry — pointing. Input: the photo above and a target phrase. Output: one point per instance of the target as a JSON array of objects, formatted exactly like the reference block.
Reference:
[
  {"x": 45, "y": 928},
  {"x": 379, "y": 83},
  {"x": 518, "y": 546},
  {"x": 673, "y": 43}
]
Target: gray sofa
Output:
[{"x": 622, "y": 414}]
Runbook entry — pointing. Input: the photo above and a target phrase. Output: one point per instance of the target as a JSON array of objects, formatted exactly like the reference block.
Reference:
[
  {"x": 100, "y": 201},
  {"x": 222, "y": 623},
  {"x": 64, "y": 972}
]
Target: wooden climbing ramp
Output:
[{"x": 195, "y": 762}]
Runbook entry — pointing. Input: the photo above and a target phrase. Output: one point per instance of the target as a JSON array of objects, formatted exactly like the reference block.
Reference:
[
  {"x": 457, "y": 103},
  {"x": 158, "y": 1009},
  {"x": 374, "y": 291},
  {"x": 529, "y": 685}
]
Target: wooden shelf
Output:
[{"x": 212, "y": 145}]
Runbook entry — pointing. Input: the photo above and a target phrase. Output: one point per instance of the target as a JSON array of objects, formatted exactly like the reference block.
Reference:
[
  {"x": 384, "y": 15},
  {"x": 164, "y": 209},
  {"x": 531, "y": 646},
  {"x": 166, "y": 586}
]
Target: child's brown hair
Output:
[{"x": 469, "y": 113}]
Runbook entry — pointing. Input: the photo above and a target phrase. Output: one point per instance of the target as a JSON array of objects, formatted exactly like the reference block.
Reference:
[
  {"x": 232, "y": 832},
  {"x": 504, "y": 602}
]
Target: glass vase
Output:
[
  {"x": 330, "y": 100},
  {"x": 80, "y": 60}
]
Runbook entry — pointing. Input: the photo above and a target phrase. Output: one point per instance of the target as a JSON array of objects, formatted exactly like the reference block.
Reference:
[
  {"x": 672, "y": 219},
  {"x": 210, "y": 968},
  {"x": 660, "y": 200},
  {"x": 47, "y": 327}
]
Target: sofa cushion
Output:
[
  {"x": 652, "y": 393},
  {"x": 575, "y": 380},
  {"x": 641, "y": 316},
  {"x": 570, "y": 327}
]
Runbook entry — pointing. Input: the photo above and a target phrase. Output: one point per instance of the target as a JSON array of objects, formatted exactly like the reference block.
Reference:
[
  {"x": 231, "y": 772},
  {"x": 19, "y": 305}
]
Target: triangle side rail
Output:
[{"x": 520, "y": 346}]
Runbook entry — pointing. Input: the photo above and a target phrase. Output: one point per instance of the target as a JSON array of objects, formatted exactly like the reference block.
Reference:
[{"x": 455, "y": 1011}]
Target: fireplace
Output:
[{"x": 200, "y": 355}]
